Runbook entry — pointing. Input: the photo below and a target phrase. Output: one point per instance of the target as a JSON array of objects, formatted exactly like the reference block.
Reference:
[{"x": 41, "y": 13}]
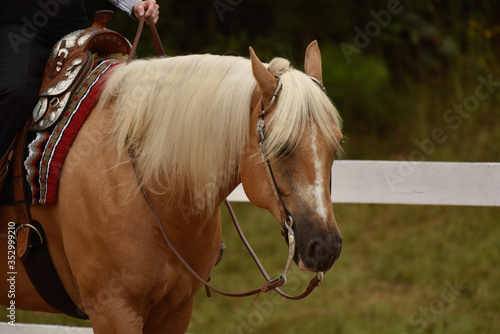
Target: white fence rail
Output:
[
  {"x": 42, "y": 329},
  {"x": 409, "y": 182},
  {"x": 382, "y": 182}
]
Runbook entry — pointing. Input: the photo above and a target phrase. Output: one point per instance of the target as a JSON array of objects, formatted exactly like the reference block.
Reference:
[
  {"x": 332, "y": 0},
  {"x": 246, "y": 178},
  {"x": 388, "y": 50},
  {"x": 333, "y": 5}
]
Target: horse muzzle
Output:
[{"x": 320, "y": 253}]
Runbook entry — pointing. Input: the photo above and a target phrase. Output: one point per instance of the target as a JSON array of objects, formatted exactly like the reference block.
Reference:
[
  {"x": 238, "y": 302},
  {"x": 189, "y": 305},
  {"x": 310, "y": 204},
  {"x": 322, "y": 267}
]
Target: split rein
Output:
[{"x": 286, "y": 224}]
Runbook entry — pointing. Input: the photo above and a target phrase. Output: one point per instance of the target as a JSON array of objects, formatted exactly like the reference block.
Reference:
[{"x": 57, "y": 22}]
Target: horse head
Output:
[{"x": 294, "y": 138}]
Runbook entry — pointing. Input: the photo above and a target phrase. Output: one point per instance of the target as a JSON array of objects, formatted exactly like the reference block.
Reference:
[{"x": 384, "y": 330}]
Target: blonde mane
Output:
[{"x": 187, "y": 120}]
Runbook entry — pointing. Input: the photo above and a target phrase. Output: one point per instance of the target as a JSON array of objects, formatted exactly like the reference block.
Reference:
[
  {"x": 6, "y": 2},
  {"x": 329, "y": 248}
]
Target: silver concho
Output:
[
  {"x": 40, "y": 109},
  {"x": 70, "y": 42},
  {"x": 42, "y": 124}
]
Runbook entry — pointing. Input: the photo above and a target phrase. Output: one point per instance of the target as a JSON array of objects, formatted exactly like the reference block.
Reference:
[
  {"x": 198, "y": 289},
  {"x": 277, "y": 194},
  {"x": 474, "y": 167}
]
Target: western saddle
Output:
[{"x": 70, "y": 61}]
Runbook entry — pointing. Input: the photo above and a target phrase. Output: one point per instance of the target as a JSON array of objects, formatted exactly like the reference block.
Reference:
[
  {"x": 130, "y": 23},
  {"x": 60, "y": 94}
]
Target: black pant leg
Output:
[
  {"x": 28, "y": 31},
  {"x": 21, "y": 69}
]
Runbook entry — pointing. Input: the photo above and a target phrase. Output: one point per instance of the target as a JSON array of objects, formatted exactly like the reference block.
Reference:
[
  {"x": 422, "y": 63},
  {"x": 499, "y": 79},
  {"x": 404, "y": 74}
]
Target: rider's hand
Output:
[{"x": 148, "y": 7}]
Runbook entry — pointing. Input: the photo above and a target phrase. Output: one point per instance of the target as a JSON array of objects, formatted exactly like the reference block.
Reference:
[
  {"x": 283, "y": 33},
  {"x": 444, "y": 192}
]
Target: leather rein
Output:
[
  {"x": 286, "y": 223},
  {"x": 154, "y": 35}
]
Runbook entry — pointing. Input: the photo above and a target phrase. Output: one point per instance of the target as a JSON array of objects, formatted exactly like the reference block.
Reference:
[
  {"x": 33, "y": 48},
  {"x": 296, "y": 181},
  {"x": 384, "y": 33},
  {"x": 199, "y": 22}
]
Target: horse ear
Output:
[
  {"x": 312, "y": 64},
  {"x": 265, "y": 80}
]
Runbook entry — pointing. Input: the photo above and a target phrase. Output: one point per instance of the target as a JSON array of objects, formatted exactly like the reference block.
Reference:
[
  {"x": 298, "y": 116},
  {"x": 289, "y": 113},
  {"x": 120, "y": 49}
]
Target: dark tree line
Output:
[{"x": 417, "y": 38}]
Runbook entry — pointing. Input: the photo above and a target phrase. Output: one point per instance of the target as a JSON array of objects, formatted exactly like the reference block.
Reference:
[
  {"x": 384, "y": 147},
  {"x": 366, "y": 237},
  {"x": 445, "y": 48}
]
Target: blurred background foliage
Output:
[{"x": 423, "y": 58}]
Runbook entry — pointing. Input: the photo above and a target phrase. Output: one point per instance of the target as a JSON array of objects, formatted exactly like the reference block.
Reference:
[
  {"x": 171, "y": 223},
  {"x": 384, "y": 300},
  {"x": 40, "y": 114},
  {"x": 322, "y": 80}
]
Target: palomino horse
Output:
[{"x": 190, "y": 122}]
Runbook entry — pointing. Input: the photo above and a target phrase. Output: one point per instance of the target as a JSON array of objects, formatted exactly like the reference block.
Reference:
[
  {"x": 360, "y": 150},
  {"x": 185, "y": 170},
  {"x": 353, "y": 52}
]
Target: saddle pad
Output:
[{"x": 48, "y": 149}]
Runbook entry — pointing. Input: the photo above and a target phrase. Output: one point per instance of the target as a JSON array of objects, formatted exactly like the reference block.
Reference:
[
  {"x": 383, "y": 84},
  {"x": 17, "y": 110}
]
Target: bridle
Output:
[{"x": 286, "y": 222}]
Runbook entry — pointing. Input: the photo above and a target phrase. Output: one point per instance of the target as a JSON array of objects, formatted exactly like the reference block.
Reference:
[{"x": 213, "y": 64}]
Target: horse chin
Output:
[{"x": 302, "y": 266}]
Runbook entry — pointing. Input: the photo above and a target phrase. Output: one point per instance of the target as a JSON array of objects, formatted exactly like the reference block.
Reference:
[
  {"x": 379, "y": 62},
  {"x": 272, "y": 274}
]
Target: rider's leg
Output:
[
  {"x": 25, "y": 44},
  {"x": 21, "y": 67}
]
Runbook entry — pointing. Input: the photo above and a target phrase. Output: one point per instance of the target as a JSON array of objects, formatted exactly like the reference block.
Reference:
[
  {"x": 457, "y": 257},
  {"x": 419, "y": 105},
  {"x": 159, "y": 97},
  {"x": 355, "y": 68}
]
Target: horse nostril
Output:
[
  {"x": 315, "y": 251},
  {"x": 321, "y": 254}
]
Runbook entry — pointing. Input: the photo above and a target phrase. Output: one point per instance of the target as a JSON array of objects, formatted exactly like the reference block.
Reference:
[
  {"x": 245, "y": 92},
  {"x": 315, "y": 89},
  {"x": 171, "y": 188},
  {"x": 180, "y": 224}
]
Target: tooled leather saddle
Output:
[{"x": 69, "y": 63}]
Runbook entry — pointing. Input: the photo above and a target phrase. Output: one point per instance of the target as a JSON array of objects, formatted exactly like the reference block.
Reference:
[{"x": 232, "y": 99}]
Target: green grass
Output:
[{"x": 394, "y": 275}]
